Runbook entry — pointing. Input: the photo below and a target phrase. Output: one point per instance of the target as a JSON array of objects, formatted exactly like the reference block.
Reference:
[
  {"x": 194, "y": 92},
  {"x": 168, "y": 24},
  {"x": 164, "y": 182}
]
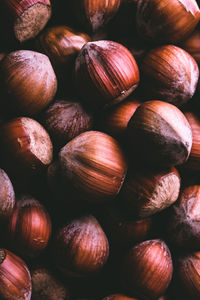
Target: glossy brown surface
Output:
[
  {"x": 15, "y": 280},
  {"x": 105, "y": 73},
  {"x": 61, "y": 44},
  {"x": 115, "y": 120},
  {"x": 192, "y": 45},
  {"x": 184, "y": 220},
  {"x": 29, "y": 227},
  {"x": 94, "y": 164},
  {"x": 124, "y": 231},
  {"x": 147, "y": 269},
  {"x": 81, "y": 247},
  {"x": 188, "y": 271},
  {"x": 193, "y": 162},
  {"x": 28, "y": 81},
  {"x": 169, "y": 74},
  {"x": 27, "y": 147},
  {"x": 160, "y": 134},
  {"x": 146, "y": 192},
  {"x": 118, "y": 297},
  {"x": 166, "y": 21},
  {"x": 94, "y": 14}
]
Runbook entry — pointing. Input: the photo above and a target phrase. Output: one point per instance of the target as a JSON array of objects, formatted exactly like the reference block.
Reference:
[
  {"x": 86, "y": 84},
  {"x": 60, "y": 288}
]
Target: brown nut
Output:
[
  {"x": 15, "y": 280},
  {"x": 65, "y": 119},
  {"x": 183, "y": 226},
  {"x": 81, "y": 248},
  {"x": 28, "y": 82},
  {"x": 29, "y": 17},
  {"x": 170, "y": 74},
  {"x": 105, "y": 73},
  {"x": 27, "y": 149},
  {"x": 146, "y": 269},
  {"x": 166, "y": 21},
  {"x": 29, "y": 227},
  {"x": 147, "y": 192},
  {"x": 94, "y": 164},
  {"x": 160, "y": 134}
]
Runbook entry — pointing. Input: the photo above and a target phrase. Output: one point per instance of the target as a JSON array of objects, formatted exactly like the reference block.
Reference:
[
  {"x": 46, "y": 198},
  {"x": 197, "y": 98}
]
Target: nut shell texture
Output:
[
  {"x": 28, "y": 80},
  {"x": 94, "y": 164},
  {"x": 166, "y": 131},
  {"x": 15, "y": 280},
  {"x": 147, "y": 269},
  {"x": 81, "y": 247},
  {"x": 169, "y": 74},
  {"x": 105, "y": 72},
  {"x": 166, "y": 21}
]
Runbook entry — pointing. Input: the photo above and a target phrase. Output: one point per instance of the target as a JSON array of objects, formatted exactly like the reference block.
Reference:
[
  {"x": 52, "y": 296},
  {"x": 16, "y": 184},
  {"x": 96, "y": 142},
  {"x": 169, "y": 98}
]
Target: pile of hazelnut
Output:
[{"x": 99, "y": 150}]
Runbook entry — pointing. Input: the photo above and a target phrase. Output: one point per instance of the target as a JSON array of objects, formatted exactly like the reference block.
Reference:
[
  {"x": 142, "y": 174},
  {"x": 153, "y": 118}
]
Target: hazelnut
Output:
[
  {"x": 122, "y": 230},
  {"x": 65, "y": 119},
  {"x": 29, "y": 17},
  {"x": 28, "y": 82},
  {"x": 188, "y": 273},
  {"x": 183, "y": 226},
  {"x": 81, "y": 247},
  {"x": 146, "y": 269},
  {"x": 115, "y": 119},
  {"x": 160, "y": 134},
  {"x": 166, "y": 21},
  {"x": 94, "y": 164},
  {"x": 170, "y": 74},
  {"x": 94, "y": 14},
  {"x": 7, "y": 195},
  {"x": 15, "y": 279},
  {"x": 193, "y": 162},
  {"x": 27, "y": 149},
  {"x": 61, "y": 44},
  {"x": 105, "y": 73},
  {"x": 192, "y": 45},
  {"x": 29, "y": 226},
  {"x": 146, "y": 192}
]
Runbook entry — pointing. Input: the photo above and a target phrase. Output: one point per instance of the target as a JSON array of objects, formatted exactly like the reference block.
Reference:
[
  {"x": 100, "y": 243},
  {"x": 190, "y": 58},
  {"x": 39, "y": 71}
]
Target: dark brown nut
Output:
[
  {"x": 64, "y": 120},
  {"x": 123, "y": 231},
  {"x": 166, "y": 21},
  {"x": 61, "y": 44},
  {"x": 27, "y": 149},
  {"x": 115, "y": 120},
  {"x": 29, "y": 227},
  {"x": 7, "y": 195},
  {"x": 170, "y": 74},
  {"x": 15, "y": 279},
  {"x": 146, "y": 269},
  {"x": 183, "y": 224},
  {"x": 192, "y": 45},
  {"x": 188, "y": 273},
  {"x": 80, "y": 248},
  {"x": 94, "y": 14},
  {"x": 193, "y": 162},
  {"x": 46, "y": 286},
  {"x": 94, "y": 164},
  {"x": 29, "y": 17},
  {"x": 160, "y": 134},
  {"x": 105, "y": 73},
  {"x": 28, "y": 82},
  {"x": 147, "y": 192}
]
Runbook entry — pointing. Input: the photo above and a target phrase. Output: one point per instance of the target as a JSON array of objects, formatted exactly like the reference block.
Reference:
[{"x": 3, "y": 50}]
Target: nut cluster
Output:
[{"x": 99, "y": 150}]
